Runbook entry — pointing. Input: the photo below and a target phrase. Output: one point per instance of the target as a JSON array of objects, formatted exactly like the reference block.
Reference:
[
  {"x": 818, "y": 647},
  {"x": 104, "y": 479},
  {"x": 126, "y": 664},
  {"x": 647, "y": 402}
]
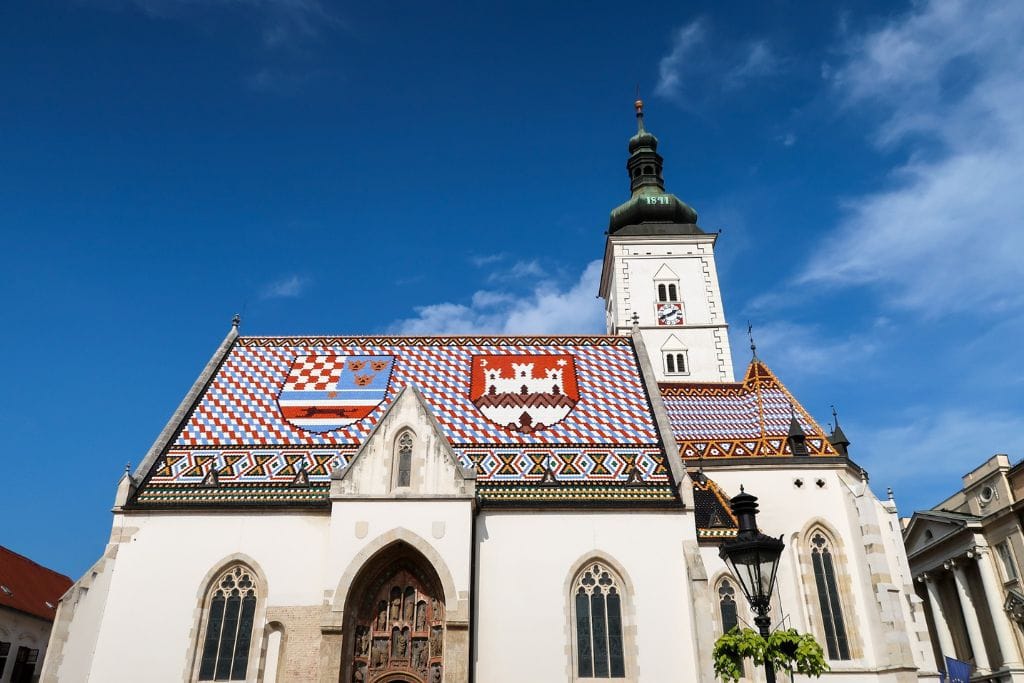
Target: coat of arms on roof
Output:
[
  {"x": 524, "y": 393},
  {"x": 326, "y": 392}
]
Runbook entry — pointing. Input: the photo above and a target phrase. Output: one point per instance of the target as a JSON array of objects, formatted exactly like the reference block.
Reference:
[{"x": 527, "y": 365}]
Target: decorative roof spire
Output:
[
  {"x": 650, "y": 205},
  {"x": 753, "y": 346},
  {"x": 838, "y": 438},
  {"x": 797, "y": 438}
]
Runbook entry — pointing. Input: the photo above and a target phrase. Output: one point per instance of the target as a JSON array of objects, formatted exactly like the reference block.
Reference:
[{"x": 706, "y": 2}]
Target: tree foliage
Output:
[{"x": 785, "y": 650}]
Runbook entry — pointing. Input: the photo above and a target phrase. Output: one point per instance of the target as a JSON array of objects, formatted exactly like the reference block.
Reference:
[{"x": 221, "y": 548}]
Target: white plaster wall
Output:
[
  {"x": 525, "y": 560},
  {"x": 22, "y": 630},
  {"x": 84, "y": 605},
  {"x": 151, "y": 605},
  {"x": 446, "y": 525}
]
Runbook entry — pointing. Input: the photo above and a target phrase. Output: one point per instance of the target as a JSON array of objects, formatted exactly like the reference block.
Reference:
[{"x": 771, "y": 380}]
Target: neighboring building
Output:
[
  {"x": 29, "y": 594},
  {"x": 965, "y": 554},
  {"x": 497, "y": 509}
]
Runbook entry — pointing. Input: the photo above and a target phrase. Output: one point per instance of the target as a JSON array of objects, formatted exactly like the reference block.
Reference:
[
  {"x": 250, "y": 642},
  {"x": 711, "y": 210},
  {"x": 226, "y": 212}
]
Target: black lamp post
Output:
[{"x": 753, "y": 558}]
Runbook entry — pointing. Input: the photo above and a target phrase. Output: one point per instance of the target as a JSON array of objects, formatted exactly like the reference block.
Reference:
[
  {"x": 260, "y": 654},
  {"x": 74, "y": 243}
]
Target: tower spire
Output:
[
  {"x": 650, "y": 209},
  {"x": 838, "y": 438}
]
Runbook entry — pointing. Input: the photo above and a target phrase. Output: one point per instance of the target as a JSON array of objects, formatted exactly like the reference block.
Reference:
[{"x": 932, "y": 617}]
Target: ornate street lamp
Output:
[{"x": 753, "y": 558}]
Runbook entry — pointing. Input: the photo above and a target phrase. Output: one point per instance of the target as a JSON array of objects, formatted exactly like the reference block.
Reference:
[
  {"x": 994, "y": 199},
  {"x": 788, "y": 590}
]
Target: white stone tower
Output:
[{"x": 659, "y": 274}]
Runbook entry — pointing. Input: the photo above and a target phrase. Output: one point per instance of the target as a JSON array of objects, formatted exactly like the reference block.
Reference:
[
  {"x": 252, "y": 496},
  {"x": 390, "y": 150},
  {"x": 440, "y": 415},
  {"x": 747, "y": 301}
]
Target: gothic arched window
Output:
[
  {"x": 404, "y": 477},
  {"x": 831, "y": 609},
  {"x": 673, "y": 294},
  {"x": 727, "y": 605},
  {"x": 662, "y": 293},
  {"x": 231, "y": 609},
  {"x": 597, "y": 623}
]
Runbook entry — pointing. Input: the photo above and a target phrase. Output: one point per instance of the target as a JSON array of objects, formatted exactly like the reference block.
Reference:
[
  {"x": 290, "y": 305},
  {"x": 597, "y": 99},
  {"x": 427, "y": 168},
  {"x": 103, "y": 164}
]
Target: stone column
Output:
[
  {"x": 970, "y": 615},
  {"x": 946, "y": 648},
  {"x": 994, "y": 597}
]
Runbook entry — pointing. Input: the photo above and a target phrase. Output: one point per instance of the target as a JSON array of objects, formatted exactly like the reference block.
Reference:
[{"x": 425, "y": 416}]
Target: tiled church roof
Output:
[
  {"x": 739, "y": 419},
  {"x": 280, "y": 414}
]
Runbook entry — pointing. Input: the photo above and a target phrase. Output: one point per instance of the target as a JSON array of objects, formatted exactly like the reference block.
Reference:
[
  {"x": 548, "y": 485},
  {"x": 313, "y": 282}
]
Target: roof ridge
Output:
[{"x": 29, "y": 559}]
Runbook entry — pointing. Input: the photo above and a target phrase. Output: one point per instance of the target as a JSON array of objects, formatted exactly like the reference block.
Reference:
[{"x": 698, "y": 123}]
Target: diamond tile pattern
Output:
[{"x": 237, "y": 433}]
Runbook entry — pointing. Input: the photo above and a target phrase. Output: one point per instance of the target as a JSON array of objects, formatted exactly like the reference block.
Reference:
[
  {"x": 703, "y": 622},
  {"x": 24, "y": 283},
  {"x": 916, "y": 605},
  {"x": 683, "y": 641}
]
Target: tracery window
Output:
[
  {"x": 727, "y": 605},
  {"x": 404, "y": 477},
  {"x": 231, "y": 609},
  {"x": 831, "y": 609},
  {"x": 400, "y": 627},
  {"x": 597, "y": 621}
]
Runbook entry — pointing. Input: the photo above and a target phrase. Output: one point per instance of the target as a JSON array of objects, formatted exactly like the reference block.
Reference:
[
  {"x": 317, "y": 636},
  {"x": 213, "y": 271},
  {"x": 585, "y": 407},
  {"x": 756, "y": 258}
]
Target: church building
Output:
[{"x": 495, "y": 509}]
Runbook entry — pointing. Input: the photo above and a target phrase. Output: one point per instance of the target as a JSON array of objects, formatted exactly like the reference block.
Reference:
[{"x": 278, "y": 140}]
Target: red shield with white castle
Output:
[{"x": 524, "y": 393}]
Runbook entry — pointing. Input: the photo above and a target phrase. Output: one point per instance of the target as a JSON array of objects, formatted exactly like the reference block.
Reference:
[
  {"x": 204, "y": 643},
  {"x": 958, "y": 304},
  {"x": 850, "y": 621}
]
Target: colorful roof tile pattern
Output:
[
  {"x": 29, "y": 587},
  {"x": 739, "y": 419},
  {"x": 280, "y": 414},
  {"x": 712, "y": 512}
]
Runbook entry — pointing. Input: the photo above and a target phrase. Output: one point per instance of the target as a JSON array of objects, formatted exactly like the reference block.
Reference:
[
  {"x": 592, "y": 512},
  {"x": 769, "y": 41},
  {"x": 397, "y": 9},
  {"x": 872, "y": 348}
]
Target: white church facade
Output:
[{"x": 493, "y": 509}]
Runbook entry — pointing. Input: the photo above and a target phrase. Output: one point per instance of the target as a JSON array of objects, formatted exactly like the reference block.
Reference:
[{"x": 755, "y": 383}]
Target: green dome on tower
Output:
[{"x": 651, "y": 210}]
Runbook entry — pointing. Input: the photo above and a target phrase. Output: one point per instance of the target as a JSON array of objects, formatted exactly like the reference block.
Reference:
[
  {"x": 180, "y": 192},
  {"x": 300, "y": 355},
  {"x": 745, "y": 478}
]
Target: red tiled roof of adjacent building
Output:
[{"x": 29, "y": 587}]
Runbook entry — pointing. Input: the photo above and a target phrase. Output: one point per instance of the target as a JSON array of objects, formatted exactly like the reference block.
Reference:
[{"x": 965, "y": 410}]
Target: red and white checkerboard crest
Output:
[
  {"x": 524, "y": 393},
  {"x": 327, "y": 392}
]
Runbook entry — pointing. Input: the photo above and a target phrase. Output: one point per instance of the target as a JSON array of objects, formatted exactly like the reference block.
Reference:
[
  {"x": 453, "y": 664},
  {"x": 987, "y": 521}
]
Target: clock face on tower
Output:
[{"x": 670, "y": 314}]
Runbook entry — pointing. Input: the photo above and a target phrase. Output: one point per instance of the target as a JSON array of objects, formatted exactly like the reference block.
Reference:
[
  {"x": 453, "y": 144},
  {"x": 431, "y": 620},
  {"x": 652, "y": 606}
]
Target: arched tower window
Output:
[
  {"x": 597, "y": 623},
  {"x": 231, "y": 609},
  {"x": 404, "y": 477},
  {"x": 829, "y": 603}
]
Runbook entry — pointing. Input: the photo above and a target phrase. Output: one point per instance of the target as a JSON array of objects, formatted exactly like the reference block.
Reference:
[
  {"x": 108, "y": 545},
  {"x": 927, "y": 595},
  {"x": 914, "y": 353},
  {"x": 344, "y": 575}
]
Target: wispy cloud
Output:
[
  {"x": 282, "y": 22},
  {"x": 285, "y": 288},
  {"x": 795, "y": 351},
  {"x": 481, "y": 260},
  {"x": 944, "y": 235},
  {"x": 530, "y": 270},
  {"x": 929, "y": 449},
  {"x": 548, "y": 309},
  {"x": 699, "y": 63}
]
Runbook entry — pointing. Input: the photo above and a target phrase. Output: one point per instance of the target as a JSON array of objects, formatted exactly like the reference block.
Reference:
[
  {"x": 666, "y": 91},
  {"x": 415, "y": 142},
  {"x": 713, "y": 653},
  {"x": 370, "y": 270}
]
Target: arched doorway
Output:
[{"x": 394, "y": 618}]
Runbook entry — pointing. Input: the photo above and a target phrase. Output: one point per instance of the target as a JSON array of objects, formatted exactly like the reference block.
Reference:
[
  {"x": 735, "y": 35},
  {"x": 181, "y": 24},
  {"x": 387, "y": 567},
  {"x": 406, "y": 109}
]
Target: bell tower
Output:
[{"x": 659, "y": 274}]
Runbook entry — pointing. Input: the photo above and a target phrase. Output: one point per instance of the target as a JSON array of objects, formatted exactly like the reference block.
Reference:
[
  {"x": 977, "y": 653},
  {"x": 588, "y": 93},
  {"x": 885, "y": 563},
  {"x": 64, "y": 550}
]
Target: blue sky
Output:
[{"x": 328, "y": 167}]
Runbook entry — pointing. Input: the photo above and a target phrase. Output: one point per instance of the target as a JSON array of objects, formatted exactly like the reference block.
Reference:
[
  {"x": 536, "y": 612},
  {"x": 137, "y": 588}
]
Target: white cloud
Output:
[
  {"x": 793, "y": 350},
  {"x": 548, "y": 309},
  {"x": 924, "y": 457},
  {"x": 945, "y": 234},
  {"x": 520, "y": 270},
  {"x": 686, "y": 41},
  {"x": 286, "y": 288},
  {"x": 481, "y": 260},
  {"x": 694, "y": 67},
  {"x": 757, "y": 60}
]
